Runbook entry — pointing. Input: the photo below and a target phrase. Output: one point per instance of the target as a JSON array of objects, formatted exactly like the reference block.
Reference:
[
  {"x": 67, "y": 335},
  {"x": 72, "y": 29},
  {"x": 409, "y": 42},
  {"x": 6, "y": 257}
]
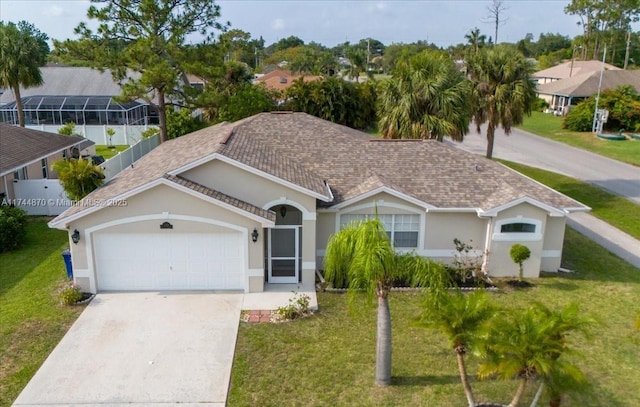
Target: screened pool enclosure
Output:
[{"x": 82, "y": 110}]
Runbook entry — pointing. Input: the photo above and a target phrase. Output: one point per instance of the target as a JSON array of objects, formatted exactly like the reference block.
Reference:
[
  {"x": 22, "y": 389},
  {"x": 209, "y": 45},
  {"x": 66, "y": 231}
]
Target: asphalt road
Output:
[{"x": 529, "y": 149}]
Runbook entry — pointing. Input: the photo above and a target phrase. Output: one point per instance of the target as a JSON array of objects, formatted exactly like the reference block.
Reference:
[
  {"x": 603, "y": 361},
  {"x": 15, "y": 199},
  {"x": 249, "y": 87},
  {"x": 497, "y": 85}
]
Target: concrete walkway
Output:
[{"x": 612, "y": 239}]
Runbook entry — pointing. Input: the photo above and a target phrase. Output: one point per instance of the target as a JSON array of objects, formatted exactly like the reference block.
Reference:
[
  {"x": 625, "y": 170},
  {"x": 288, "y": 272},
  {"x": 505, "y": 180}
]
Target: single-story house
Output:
[
  {"x": 281, "y": 79},
  {"x": 254, "y": 202},
  {"x": 26, "y": 155},
  {"x": 85, "y": 96},
  {"x": 570, "y": 69},
  {"x": 563, "y": 94}
]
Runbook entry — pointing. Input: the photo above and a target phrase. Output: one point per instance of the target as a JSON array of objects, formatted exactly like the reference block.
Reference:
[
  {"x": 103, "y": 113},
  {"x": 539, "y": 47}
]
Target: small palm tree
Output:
[
  {"x": 464, "y": 319},
  {"x": 362, "y": 256},
  {"x": 502, "y": 89},
  {"x": 78, "y": 177},
  {"x": 529, "y": 343},
  {"x": 358, "y": 59},
  {"x": 427, "y": 98}
]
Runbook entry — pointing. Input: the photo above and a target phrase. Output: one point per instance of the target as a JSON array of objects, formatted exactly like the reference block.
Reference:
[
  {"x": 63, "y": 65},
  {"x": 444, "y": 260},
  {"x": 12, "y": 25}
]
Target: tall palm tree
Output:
[
  {"x": 502, "y": 89},
  {"x": 529, "y": 343},
  {"x": 362, "y": 256},
  {"x": 359, "y": 61},
  {"x": 427, "y": 98},
  {"x": 464, "y": 319},
  {"x": 20, "y": 58},
  {"x": 475, "y": 39}
]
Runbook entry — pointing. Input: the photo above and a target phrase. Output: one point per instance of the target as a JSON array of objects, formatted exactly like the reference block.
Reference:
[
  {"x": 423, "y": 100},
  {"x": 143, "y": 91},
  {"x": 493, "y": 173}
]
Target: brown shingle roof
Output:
[
  {"x": 587, "y": 84},
  {"x": 309, "y": 151},
  {"x": 563, "y": 70},
  {"x": 20, "y": 146},
  {"x": 281, "y": 79}
]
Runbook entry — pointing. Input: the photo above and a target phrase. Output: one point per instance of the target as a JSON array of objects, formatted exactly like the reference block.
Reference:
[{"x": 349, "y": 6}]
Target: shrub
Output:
[
  {"x": 78, "y": 177},
  {"x": 539, "y": 105},
  {"x": 298, "y": 307},
  {"x": 519, "y": 254},
  {"x": 12, "y": 228},
  {"x": 623, "y": 104},
  {"x": 70, "y": 294}
]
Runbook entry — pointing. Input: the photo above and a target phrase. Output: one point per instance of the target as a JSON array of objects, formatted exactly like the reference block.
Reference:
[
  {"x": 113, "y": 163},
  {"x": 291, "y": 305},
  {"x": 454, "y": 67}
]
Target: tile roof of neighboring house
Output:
[
  {"x": 69, "y": 81},
  {"x": 280, "y": 79},
  {"x": 562, "y": 71},
  {"x": 20, "y": 146},
  {"x": 310, "y": 152},
  {"x": 586, "y": 84},
  {"x": 245, "y": 206}
]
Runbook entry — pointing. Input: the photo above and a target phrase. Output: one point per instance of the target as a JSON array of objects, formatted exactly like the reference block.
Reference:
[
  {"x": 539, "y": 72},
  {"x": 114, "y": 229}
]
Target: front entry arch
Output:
[{"x": 284, "y": 246}]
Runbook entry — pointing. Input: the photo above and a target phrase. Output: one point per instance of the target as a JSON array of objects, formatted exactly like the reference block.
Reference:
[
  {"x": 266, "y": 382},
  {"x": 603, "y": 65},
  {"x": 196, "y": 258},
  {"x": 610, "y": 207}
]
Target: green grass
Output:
[
  {"x": 613, "y": 209},
  {"x": 107, "y": 152},
  {"x": 329, "y": 359},
  {"x": 550, "y": 126},
  {"x": 32, "y": 321}
]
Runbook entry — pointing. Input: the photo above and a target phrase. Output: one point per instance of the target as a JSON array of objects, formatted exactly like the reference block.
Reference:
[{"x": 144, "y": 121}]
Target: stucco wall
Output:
[
  {"x": 553, "y": 243},
  {"x": 244, "y": 185},
  {"x": 157, "y": 201}
]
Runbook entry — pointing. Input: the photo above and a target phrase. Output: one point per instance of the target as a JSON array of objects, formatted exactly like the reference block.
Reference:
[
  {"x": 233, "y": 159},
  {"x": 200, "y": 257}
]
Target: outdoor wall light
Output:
[
  {"x": 283, "y": 211},
  {"x": 75, "y": 237},
  {"x": 254, "y": 235}
]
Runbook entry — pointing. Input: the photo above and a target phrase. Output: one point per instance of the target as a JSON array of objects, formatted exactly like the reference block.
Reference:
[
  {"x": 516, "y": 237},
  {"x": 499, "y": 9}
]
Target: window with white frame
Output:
[
  {"x": 403, "y": 230},
  {"x": 518, "y": 229}
]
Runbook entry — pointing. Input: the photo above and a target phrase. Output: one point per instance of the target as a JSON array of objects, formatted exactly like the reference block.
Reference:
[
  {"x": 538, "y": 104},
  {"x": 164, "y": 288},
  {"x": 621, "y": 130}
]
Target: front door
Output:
[{"x": 284, "y": 254}]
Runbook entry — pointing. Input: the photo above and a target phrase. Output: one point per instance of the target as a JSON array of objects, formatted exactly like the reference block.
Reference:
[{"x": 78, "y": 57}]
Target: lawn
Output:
[
  {"x": 550, "y": 126},
  {"x": 32, "y": 321},
  {"x": 107, "y": 152},
  {"x": 613, "y": 209},
  {"x": 329, "y": 358}
]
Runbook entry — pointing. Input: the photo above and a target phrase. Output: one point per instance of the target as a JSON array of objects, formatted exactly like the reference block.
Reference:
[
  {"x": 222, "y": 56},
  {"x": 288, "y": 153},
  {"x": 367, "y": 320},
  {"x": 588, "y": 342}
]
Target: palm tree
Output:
[
  {"x": 78, "y": 177},
  {"x": 475, "y": 39},
  {"x": 502, "y": 89},
  {"x": 427, "y": 98},
  {"x": 464, "y": 320},
  {"x": 529, "y": 343},
  {"x": 20, "y": 58},
  {"x": 362, "y": 256},
  {"x": 358, "y": 59}
]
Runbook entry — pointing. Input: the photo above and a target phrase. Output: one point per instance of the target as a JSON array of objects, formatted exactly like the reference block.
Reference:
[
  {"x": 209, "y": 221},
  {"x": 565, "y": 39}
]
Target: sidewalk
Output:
[{"x": 607, "y": 236}]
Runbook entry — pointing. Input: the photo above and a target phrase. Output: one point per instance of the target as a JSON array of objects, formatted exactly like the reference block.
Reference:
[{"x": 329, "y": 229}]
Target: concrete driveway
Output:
[{"x": 144, "y": 348}]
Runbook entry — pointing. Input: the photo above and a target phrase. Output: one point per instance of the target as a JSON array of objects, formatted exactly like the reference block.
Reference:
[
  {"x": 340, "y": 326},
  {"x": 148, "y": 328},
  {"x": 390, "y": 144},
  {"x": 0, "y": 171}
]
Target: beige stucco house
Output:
[{"x": 241, "y": 205}]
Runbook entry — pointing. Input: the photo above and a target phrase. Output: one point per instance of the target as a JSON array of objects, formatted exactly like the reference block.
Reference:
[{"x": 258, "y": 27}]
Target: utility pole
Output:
[
  {"x": 598, "y": 116},
  {"x": 626, "y": 55}
]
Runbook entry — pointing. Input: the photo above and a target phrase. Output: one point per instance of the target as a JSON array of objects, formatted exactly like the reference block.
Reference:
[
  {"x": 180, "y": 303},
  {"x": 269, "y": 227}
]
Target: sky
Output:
[{"x": 331, "y": 22}]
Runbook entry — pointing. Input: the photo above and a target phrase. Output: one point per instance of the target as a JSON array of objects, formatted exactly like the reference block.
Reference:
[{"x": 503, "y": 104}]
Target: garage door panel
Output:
[{"x": 169, "y": 261}]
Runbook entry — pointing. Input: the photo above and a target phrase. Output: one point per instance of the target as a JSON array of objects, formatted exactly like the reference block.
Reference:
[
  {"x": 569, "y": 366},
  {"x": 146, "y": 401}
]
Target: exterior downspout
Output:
[{"x": 487, "y": 247}]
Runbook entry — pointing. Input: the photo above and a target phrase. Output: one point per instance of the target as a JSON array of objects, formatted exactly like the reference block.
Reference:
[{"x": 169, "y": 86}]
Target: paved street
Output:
[{"x": 529, "y": 149}]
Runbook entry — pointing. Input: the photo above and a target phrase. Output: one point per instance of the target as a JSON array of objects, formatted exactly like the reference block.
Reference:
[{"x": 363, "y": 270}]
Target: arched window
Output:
[{"x": 518, "y": 229}]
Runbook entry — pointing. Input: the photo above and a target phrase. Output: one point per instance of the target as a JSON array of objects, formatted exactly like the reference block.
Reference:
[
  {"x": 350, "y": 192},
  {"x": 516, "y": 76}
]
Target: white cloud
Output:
[
  {"x": 277, "y": 24},
  {"x": 53, "y": 11}
]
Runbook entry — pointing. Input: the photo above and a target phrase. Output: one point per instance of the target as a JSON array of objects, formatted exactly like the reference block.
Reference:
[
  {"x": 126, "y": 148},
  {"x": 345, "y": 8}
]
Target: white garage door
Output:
[{"x": 169, "y": 261}]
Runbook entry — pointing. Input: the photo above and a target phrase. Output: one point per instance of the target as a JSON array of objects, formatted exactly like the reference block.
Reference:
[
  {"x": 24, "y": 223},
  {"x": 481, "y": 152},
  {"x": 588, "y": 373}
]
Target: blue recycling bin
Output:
[{"x": 66, "y": 255}]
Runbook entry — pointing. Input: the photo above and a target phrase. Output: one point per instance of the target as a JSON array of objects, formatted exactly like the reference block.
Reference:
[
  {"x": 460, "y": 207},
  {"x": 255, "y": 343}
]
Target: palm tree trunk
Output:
[
  {"x": 519, "y": 392},
  {"x": 162, "y": 116},
  {"x": 491, "y": 131},
  {"x": 536, "y": 398},
  {"x": 464, "y": 379},
  {"x": 16, "y": 92},
  {"x": 383, "y": 345}
]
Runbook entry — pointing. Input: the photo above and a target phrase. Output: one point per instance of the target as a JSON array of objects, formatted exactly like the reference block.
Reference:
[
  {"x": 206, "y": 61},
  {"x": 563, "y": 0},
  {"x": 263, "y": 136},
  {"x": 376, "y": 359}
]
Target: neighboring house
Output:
[
  {"x": 570, "y": 69},
  {"x": 84, "y": 96},
  {"x": 26, "y": 157},
  {"x": 563, "y": 94},
  {"x": 240, "y": 205},
  {"x": 280, "y": 79}
]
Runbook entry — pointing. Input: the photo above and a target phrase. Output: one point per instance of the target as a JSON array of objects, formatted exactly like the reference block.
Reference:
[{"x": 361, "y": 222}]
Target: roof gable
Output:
[{"x": 20, "y": 146}]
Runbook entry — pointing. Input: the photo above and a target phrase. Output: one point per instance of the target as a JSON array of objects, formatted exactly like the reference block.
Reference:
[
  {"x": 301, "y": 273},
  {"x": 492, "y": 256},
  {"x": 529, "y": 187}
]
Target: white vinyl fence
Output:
[
  {"x": 127, "y": 157},
  {"x": 124, "y": 135},
  {"x": 41, "y": 196}
]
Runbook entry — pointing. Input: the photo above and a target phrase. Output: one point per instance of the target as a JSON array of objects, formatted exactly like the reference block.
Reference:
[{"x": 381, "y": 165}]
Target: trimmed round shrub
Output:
[{"x": 12, "y": 228}]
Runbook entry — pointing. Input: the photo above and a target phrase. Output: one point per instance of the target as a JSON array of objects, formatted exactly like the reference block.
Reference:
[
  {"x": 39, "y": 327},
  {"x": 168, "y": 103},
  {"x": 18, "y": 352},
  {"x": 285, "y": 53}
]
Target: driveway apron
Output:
[{"x": 145, "y": 348}]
